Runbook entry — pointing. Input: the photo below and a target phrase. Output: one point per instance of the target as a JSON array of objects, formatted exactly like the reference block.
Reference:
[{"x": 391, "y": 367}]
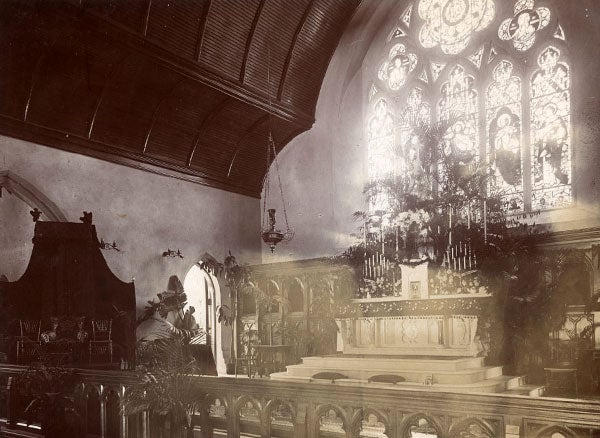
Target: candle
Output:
[
  {"x": 469, "y": 217},
  {"x": 450, "y": 226},
  {"x": 485, "y": 220}
]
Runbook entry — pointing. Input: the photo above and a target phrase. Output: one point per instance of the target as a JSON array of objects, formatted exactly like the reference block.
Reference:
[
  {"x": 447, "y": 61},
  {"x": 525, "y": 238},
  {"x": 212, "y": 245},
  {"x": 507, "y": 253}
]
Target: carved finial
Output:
[
  {"x": 35, "y": 214},
  {"x": 86, "y": 218}
]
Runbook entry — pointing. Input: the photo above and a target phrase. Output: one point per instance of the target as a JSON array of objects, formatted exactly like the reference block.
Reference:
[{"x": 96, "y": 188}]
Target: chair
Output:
[
  {"x": 101, "y": 342},
  {"x": 29, "y": 342}
]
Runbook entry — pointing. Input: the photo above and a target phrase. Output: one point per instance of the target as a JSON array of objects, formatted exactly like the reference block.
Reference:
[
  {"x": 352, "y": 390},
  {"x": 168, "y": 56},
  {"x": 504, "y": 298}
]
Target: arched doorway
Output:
[{"x": 203, "y": 293}]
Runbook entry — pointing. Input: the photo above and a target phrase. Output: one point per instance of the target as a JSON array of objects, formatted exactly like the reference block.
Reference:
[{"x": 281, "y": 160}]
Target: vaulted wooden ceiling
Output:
[{"x": 176, "y": 87}]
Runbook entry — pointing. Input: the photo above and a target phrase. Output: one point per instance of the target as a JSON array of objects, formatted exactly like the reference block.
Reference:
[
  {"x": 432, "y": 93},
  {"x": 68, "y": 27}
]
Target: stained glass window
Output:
[
  {"x": 459, "y": 100},
  {"x": 508, "y": 112},
  {"x": 450, "y": 23},
  {"x": 412, "y": 165},
  {"x": 550, "y": 128},
  {"x": 503, "y": 122},
  {"x": 395, "y": 70},
  {"x": 380, "y": 133},
  {"x": 523, "y": 26}
]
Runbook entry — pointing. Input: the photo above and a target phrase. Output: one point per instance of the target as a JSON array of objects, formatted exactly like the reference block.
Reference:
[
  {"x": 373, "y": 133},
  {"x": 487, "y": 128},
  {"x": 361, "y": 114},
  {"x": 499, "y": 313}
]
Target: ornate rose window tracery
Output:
[{"x": 450, "y": 23}]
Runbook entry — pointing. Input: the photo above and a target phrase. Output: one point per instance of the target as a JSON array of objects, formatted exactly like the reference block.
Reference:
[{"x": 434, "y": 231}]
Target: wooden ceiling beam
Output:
[
  {"x": 288, "y": 58},
  {"x": 250, "y": 38},
  {"x": 204, "y": 124}
]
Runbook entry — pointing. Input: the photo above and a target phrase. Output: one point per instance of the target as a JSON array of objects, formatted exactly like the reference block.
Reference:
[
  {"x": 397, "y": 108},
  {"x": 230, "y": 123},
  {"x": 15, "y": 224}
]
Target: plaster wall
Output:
[
  {"x": 143, "y": 212},
  {"x": 323, "y": 170}
]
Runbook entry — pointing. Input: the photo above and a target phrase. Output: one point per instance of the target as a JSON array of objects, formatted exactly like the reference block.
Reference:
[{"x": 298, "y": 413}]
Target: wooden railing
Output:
[{"x": 260, "y": 407}]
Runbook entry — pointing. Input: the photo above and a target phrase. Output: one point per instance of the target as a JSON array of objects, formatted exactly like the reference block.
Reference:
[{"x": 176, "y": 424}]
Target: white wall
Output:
[{"x": 144, "y": 213}]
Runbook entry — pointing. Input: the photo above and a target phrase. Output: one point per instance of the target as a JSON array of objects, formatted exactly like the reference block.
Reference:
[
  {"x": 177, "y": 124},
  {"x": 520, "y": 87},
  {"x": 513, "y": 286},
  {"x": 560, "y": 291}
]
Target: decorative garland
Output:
[{"x": 453, "y": 306}]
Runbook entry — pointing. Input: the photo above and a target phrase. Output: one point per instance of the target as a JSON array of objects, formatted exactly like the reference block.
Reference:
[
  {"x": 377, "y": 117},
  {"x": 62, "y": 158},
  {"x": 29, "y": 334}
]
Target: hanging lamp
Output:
[{"x": 269, "y": 233}]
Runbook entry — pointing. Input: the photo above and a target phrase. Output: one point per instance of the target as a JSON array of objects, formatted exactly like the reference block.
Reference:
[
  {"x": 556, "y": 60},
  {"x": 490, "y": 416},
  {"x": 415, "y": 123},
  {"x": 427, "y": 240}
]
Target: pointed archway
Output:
[
  {"x": 31, "y": 195},
  {"x": 204, "y": 294}
]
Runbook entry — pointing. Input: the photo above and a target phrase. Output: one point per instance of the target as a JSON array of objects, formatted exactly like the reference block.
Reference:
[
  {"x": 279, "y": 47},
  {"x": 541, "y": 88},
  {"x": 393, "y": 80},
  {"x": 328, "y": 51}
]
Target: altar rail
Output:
[{"x": 258, "y": 407}]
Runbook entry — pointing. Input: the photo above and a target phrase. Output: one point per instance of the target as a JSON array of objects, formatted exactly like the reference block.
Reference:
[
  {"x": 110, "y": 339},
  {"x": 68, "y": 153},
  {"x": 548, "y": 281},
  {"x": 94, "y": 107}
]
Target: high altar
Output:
[
  {"x": 419, "y": 330},
  {"x": 421, "y": 318}
]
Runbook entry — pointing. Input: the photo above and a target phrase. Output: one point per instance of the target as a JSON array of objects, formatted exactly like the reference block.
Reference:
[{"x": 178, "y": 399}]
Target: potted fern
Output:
[
  {"x": 51, "y": 401},
  {"x": 167, "y": 388}
]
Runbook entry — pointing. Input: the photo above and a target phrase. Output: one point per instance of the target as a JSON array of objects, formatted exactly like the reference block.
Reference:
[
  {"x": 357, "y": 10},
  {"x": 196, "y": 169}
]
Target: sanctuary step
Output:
[{"x": 448, "y": 374}]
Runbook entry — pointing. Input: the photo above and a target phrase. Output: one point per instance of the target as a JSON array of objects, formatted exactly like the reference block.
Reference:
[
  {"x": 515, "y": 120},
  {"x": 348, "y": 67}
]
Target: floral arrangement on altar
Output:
[{"x": 380, "y": 287}]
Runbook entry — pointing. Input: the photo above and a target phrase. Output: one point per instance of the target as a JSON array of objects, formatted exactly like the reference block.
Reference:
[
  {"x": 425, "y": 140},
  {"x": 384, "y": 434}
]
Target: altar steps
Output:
[{"x": 447, "y": 374}]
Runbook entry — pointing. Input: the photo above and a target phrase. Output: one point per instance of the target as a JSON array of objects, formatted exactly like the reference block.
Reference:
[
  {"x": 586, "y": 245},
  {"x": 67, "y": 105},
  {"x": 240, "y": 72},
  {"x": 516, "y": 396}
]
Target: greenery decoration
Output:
[
  {"x": 167, "y": 387},
  {"x": 50, "y": 392}
]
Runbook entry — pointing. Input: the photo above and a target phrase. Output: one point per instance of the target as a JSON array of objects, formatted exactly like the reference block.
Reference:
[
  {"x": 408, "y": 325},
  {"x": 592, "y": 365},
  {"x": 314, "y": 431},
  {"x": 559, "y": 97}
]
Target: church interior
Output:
[{"x": 300, "y": 218}]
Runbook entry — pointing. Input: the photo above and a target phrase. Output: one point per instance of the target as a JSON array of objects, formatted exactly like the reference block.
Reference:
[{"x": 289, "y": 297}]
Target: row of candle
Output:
[
  {"x": 460, "y": 257},
  {"x": 375, "y": 266}
]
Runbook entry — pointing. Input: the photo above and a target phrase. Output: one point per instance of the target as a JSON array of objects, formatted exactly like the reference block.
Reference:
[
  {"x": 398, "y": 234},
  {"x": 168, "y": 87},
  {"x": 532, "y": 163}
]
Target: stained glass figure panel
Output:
[
  {"x": 413, "y": 165},
  {"x": 396, "y": 69},
  {"x": 381, "y": 143},
  {"x": 550, "y": 131},
  {"x": 503, "y": 123},
  {"x": 459, "y": 100},
  {"x": 521, "y": 28},
  {"x": 451, "y": 23}
]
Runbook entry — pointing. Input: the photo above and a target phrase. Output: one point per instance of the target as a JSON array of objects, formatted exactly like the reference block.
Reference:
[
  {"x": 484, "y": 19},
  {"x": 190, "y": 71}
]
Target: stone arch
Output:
[
  {"x": 31, "y": 195},
  {"x": 550, "y": 431},
  {"x": 363, "y": 413},
  {"x": 323, "y": 409},
  {"x": 463, "y": 425},
  {"x": 414, "y": 420},
  {"x": 243, "y": 400},
  {"x": 248, "y": 415},
  {"x": 296, "y": 303},
  {"x": 211, "y": 399},
  {"x": 271, "y": 406},
  {"x": 273, "y": 287}
]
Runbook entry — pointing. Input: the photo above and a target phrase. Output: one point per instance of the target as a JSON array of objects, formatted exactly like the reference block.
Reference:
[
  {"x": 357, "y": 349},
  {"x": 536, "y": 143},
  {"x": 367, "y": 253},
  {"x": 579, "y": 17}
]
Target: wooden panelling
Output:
[
  {"x": 129, "y": 13},
  {"x": 176, "y": 25},
  {"x": 226, "y": 31},
  {"x": 270, "y": 49},
  {"x": 131, "y": 98},
  {"x": 306, "y": 66},
  {"x": 177, "y": 121},
  {"x": 68, "y": 83}
]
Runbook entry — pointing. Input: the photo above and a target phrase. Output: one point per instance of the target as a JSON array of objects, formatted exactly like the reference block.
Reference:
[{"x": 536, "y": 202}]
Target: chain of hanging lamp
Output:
[{"x": 270, "y": 235}]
